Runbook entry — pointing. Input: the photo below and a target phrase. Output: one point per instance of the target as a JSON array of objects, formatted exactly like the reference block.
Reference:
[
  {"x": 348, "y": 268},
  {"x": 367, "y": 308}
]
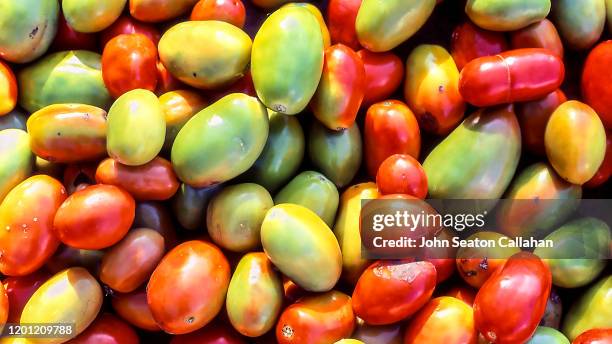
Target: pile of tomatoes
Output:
[{"x": 190, "y": 171}]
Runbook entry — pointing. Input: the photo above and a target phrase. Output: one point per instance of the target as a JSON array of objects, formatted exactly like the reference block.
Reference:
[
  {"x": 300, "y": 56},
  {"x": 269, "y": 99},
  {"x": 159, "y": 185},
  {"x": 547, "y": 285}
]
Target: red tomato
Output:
[
  {"x": 159, "y": 10},
  {"x": 155, "y": 215},
  {"x": 476, "y": 271},
  {"x": 389, "y": 291},
  {"x": 67, "y": 38},
  {"x": 129, "y": 61},
  {"x": 187, "y": 289},
  {"x": 463, "y": 293},
  {"x": 242, "y": 85},
  {"x": 605, "y": 170},
  {"x": 4, "y": 305},
  {"x": 542, "y": 34},
  {"x": 134, "y": 309},
  {"x": 79, "y": 175},
  {"x": 166, "y": 82},
  {"x": 26, "y": 225},
  {"x": 95, "y": 217},
  {"x": 510, "y": 304},
  {"x": 390, "y": 128},
  {"x": 402, "y": 174},
  {"x": 595, "y": 336},
  {"x": 153, "y": 181},
  {"x": 20, "y": 289},
  {"x": 318, "y": 319},
  {"x": 215, "y": 333},
  {"x": 341, "y": 89},
  {"x": 470, "y": 42},
  {"x": 596, "y": 81},
  {"x": 230, "y": 11},
  {"x": 8, "y": 89},
  {"x": 512, "y": 76},
  {"x": 126, "y": 25},
  {"x": 533, "y": 117},
  {"x": 341, "y": 17},
  {"x": 384, "y": 73},
  {"x": 107, "y": 329}
]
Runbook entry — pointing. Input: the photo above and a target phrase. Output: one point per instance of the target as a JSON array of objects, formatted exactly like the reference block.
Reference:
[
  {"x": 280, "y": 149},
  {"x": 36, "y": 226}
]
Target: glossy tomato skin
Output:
[
  {"x": 595, "y": 336},
  {"x": 127, "y": 25},
  {"x": 229, "y": 11},
  {"x": 533, "y": 117},
  {"x": 19, "y": 289},
  {"x": 463, "y": 293},
  {"x": 596, "y": 80},
  {"x": 67, "y": 38},
  {"x": 107, "y": 329},
  {"x": 153, "y": 181},
  {"x": 4, "y": 306},
  {"x": 470, "y": 42},
  {"x": 133, "y": 308},
  {"x": 188, "y": 287},
  {"x": 95, "y": 217},
  {"x": 317, "y": 319},
  {"x": 341, "y": 17},
  {"x": 166, "y": 82},
  {"x": 129, "y": 61},
  {"x": 542, "y": 34},
  {"x": 516, "y": 293},
  {"x": 389, "y": 291},
  {"x": 390, "y": 128},
  {"x": 8, "y": 89},
  {"x": 512, "y": 76},
  {"x": 402, "y": 174},
  {"x": 26, "y": 218},
  {"x": 384, "y": 73},
  {"x": 605, "y": 170}
]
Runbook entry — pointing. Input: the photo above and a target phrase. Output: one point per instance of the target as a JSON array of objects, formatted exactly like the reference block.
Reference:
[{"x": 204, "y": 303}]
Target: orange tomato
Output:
[
  {"x": 401, "y": 174},
  {"x": 133, "y": 308},
  {"x": 159, "y": 10},
  {"x": 229, "y": 11},
  {"x": 8, "y": 89}
]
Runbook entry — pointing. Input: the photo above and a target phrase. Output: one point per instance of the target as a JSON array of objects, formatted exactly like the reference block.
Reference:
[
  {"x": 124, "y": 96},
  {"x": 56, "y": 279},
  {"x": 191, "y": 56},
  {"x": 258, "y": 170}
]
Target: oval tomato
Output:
[
  {"x": 127, "y": 25},
  {"x": 195, "y": 276},
  {"x": 229, "y": 11},
  {"x": 107, "y": 329},
  {"x": 26, "y": 224},
  {"x": 595, "y": 336},
  {"x": 533, "y": 117},
  {"x": 596, "y": 81},
  {"x": 8, "y": 89},
  {"x": 605, "y": 170},
  {"x": 216, "y": 333},
  {"x": 542, "y": 34},
  {"x": 402, "y": 174},
  {"x": 469, "y": 42},
  {"x": 389, "y": 291},
  {"x": 20, "y": 289},
  {"x": 153, "y": 181},
  {"x": 67, "y": 38},
  {"x": 341, "y": 17},
  {"x": 95, "y": 217},
  {"x": 129, "y": 61},
  {"x": 133, "y": 308},
  {"x": 390, "y": 128},
  {"x": 384, "y": 73},
  {"x": 516, "y": 293}
]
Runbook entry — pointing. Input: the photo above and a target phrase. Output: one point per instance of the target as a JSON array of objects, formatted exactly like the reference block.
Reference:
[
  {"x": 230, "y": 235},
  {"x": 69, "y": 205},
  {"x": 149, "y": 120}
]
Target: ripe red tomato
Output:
[
  {"x": 533, "y": 117},
  {"x": 129, "y": 61},
  {"x": 542, "y": 34},
  {"x": 20, "y": 289},
  {"x": 470, "y": 42},
  {"x": 26, "y": 224},
  {"x": 126, "y": 25},
  {"x": 389, "y": 291},
  {"x": 341, "y": 17},
  {"x": 229, "y": 11},
  {"x": 463, "y": 293},
  {"x": 166, "y": 82},
  {"x": 510, "y": 304},
  {"x": 133, "y": 308},
  {"x": 195, "y": 276},
  {"x": 596, "y": 81},
  {"x": 402, "y": 174},
  {"x": 390, "y": 128},
  {"x": 595, "y": 336},
  {"x": 8, "y": 89},
  {"x": 384, "y": 73},
  {"x": 153, "y": 181},
  {"x": 67, "y": 38},
  {"x": 4, "y": 305},
  {"x": 95, "y": 217},
  {"x": 215, "y": 333},
  {"x": 512, "y": 76},
  {"x": 107, "y": 329},
  {"x": 605, "y": 170},
  {"x": 317, "y": 319}
]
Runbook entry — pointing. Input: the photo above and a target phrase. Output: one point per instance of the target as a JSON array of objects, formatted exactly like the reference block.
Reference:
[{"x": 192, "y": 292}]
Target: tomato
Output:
[
  {"x": 215, "y": 333},
  {"x": 384, "y": 73},
  {"x": 155, "y": 215},
  {"x": 4, "y": 306},
  {"x": 195, "y": 276},
  {"x": 26, "y": 222},
  {"x": 20, "y": 289},
  {"x": 166, "y": 82},
  {"x": 229, "y": 11},
  {"x": 127, "y": 265},
  {"x": 67, "y": 38},
  {"x": 470, "y": 42},
  {"x": 595, "y": 336},
  {"x": 510, "y": 304},
  {"x": 390, "y": 128},
  {"x": 126, "y": 25},
  {"x": 386, "y": 334},
  {"x": 341, "y": 17},
  {"x": 596, "y": 81},
  {"x": 402, "y": 174},
  {"x": 605, "y": 170},
  {"x": 512, "y": 76},
  {"x": 133, "y": 308},
  {"x": 317, "y": 319},
  {"x": 95, "y": 217},
  {"x": 389, "y": 291},
  {"x": 442, "y": 320},
  {"x": 78, "y": 176},
  {"x": 129, "y": 61},
  {"x": 66, "y": 257},
  {"x": 533, "y": 117},
  {"x": 159, "y": 10},
  {"x": 463, "y": 293},
  {"x": 107, "y": 329},
  {"x": 542, "y": 34},
  {"x": 153, "y": 181},
  {"x": 8, "y": 89}
]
